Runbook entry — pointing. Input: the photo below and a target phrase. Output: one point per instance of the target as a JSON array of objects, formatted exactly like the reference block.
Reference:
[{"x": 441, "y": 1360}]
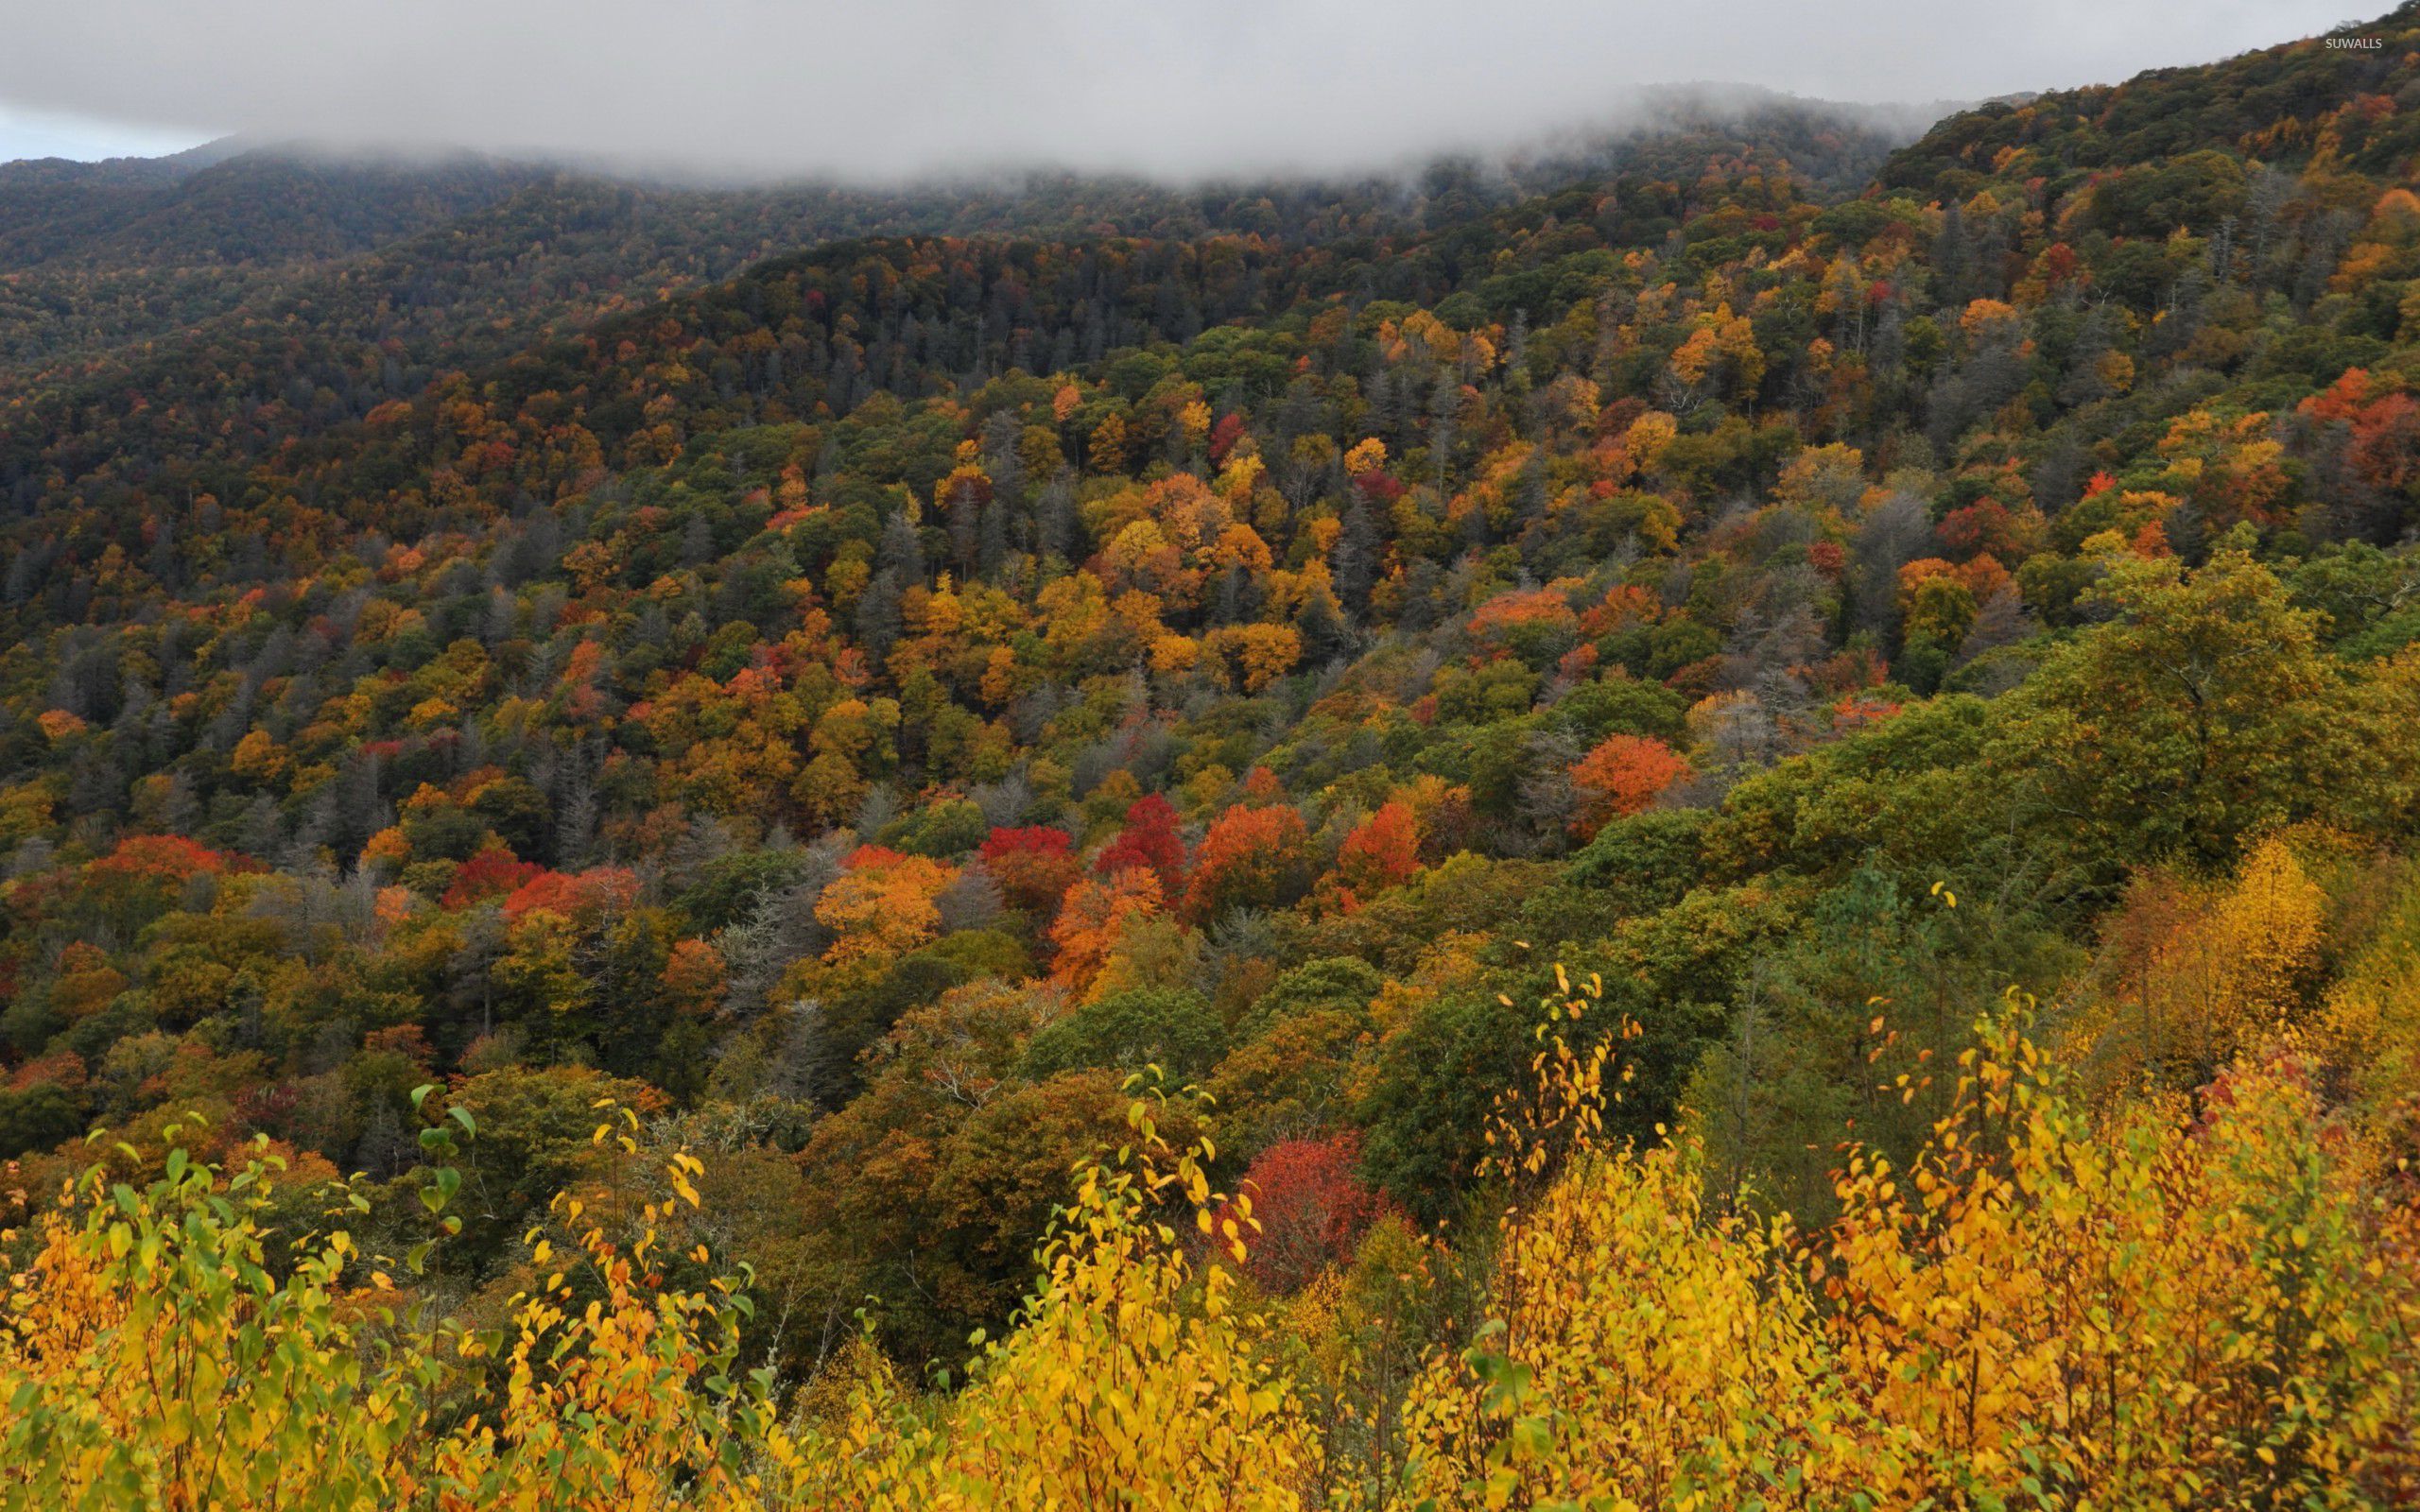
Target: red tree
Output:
[
  {"x": 489, "y": 874},
  {"x": 1223, "y": 438},
  {"x": 1382, "y": 851},
  {"x": 598, "y": 890},
  {"x": 1312, "y": 1209},
  {"x": 171, "y": 856},
  {"x": 1034, "y": 866},
  {"x": 1150, "y": 840}
]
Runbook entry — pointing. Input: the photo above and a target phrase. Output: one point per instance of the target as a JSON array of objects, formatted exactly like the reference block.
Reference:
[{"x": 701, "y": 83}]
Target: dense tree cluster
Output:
[{"x": 856, "y": 714}]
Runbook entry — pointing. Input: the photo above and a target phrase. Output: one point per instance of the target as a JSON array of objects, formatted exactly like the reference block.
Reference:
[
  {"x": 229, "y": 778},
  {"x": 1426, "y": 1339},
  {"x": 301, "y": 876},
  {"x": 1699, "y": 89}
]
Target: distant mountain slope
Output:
[
  {"x": 258, "y": 207},
  {"x": 98, "y": 257},
  {"x": 117, "y": 172},
  {"x": 326, "y": 290}
]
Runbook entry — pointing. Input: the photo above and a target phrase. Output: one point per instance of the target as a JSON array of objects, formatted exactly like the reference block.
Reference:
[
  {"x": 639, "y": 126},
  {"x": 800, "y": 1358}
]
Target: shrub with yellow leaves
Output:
[
  {"x": 157, "y": 1353},
  {"x": 1133, "y": 1379},
  {"x": 2172, "y": 1308},
  {"x": 2184, "y": 1301},
  {"x": 1636, "y": 1353},
  {"x": 2203, "y": 972},
  {"x": 170, "y": 1347}
]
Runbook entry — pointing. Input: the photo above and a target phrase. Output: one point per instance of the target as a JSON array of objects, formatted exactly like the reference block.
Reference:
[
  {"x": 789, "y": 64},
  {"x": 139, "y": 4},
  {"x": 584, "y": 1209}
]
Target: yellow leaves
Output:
[
  {"x": 2050, "y": 1299},
  {"x": 1693, "y": 359},
  {"x": 1194, "y": 421},
  {"x": 1241, "y": 474},
  {"x": 2120, "y": 1308},
  {"x": 2271, "y": 920},
  {"x": 1986, "y": 317},
  {"x": 1106, "y": 449},
  {"x": 1256, "y": 654},
  {"x": 2369, "y": 1025},
  {"x": 1173, "y": 655},
  {"x": 1823, "y": 480},
  {"x": 1240, "y": 546},
  {"x": 1644, "y": 1334},
  {"x": 1646, "y": 437},
  {"x": 882, "y": 907},
  {"x": 2233, "y": 466},
  {"x": 1724, "y": 343},
  {"x": 2205, "y": 973},
  {"x": 1108, "y": 1382},
  {"x": 1366, "y": 455},
  {"x": 258, "y": 757},
  {"x": 1135, "y": 552}
]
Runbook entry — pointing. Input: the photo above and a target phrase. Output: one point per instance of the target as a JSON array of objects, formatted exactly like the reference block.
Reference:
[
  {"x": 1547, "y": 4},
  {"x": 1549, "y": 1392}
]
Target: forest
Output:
[{"x": 1728, "y": 817}]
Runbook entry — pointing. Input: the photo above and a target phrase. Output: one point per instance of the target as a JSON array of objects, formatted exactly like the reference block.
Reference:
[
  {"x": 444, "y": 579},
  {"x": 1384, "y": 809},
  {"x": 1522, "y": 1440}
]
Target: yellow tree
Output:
[
  {"x": 882, "y": 906},
  {"x": 2200, "y": 975}
]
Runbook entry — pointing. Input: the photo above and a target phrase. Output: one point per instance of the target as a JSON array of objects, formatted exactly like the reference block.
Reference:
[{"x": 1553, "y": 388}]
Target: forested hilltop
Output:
[{"x": 1720, "y": 819}]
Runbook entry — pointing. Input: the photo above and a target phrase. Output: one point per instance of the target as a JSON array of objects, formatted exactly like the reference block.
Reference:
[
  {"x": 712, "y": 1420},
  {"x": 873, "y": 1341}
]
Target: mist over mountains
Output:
[{"x": 869, "y": 93}]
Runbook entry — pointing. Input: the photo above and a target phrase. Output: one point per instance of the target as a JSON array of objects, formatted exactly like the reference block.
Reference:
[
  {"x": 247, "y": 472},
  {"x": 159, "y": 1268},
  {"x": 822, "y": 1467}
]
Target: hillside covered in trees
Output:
[{"x": 1722, "y": 818}]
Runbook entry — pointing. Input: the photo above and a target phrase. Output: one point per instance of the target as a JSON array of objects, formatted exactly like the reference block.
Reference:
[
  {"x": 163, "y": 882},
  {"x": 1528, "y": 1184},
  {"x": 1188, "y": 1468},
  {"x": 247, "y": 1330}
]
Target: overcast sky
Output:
[{"x": 871, "y": 88}]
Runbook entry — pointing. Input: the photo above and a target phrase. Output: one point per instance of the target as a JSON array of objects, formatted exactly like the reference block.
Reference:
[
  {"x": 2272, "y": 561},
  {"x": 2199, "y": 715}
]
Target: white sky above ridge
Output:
[{"x": 27, "y": 133}]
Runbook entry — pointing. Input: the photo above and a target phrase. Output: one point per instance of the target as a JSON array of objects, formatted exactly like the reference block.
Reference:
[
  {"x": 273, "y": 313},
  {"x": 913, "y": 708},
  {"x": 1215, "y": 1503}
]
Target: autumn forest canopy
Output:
[{"x": 1728, "y": 817}]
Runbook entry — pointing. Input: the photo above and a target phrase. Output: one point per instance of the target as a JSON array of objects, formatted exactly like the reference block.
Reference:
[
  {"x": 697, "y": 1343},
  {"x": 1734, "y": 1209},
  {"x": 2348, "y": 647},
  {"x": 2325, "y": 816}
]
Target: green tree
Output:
[{"x": 2203, "y": 710}]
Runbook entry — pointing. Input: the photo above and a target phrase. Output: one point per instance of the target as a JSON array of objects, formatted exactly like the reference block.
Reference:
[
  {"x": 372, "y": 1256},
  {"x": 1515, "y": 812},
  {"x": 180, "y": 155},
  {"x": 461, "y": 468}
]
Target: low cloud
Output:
[{"x": 879, "y": 89}]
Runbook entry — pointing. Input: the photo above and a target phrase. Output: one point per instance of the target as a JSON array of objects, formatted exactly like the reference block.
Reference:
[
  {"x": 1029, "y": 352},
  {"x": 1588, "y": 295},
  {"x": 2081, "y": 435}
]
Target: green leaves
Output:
[{"x": 443, "y": 1183}]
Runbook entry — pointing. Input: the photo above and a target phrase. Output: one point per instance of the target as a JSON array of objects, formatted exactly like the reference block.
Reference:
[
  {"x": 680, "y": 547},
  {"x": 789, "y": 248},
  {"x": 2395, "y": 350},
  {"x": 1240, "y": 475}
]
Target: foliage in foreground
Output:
[
  {"x": 2161, "y": 1307},
  {"x": 2173, "y": 1303}
]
